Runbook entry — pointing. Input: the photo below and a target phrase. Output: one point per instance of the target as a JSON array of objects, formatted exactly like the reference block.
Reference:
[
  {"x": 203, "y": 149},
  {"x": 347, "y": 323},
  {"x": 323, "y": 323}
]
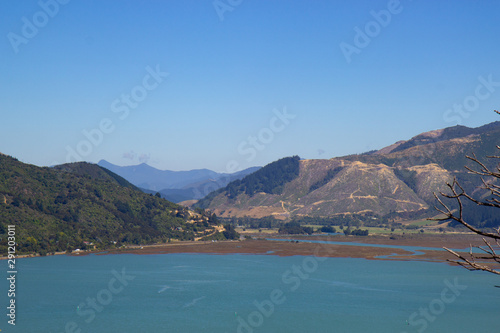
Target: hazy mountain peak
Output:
[{"x": 175, "y": 186}]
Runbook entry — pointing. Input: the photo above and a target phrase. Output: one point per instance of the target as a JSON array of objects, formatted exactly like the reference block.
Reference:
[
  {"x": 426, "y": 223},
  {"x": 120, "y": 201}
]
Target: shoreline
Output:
[{"x": 285, "y": 247}]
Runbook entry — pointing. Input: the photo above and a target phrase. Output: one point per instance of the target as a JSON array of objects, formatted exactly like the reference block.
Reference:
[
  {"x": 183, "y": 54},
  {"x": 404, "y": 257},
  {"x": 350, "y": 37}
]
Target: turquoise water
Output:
[{"x": 248, "y": 293}]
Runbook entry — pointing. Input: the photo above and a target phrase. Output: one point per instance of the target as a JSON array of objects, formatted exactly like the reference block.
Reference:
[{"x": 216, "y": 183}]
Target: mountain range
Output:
[
  {"x": 398, "y": 179},
  {"x": 80, "y": 204},
  {"x": 175, "y": 186}
]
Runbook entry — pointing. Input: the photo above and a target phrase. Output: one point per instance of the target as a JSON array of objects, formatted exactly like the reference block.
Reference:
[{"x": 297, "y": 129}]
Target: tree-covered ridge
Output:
[
  {"x": 407, "y": 176},
  {"x": 79, "y": 204},
  {"x": 90, "y": 170},
  {"x": 270, "y": 179},
  {"x": 329, "y": 176}
]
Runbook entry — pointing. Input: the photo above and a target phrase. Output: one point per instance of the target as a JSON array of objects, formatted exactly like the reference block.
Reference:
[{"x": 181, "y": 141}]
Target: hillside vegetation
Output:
[
  {"x": 270, "y": 179},
  {"x": 82, "y": 205}
]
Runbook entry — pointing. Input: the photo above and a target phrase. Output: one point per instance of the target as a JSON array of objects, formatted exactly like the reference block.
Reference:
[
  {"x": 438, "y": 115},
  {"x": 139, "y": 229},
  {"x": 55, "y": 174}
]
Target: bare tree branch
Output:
[
  {"x": 488, "y": 257},
  {"x": 471, "y": 264}
]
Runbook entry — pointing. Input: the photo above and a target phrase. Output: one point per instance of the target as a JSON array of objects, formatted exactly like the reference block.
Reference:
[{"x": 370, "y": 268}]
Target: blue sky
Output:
[{"x": 231, "y": 84}]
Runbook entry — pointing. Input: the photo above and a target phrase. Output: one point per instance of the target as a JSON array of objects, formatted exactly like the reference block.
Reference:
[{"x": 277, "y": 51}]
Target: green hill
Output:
[
  {"x": 75, "y": 205},
  {"x": 269, "y": 179}
]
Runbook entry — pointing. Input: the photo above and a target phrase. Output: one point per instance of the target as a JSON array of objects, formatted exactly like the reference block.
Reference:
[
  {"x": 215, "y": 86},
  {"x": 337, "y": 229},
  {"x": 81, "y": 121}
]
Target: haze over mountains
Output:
[
  {"x": 175, "y": 186},
  {"x": 399, "y": 179}
]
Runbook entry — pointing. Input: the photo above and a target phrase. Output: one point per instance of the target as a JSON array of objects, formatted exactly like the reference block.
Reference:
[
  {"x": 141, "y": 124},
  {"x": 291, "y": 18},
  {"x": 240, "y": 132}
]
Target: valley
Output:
[{"x": 386, "y": 193}]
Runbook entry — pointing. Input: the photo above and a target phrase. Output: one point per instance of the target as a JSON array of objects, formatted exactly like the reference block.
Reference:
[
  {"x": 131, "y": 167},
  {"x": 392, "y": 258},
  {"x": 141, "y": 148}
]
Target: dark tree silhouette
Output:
[{"x": 488, "y": 258}]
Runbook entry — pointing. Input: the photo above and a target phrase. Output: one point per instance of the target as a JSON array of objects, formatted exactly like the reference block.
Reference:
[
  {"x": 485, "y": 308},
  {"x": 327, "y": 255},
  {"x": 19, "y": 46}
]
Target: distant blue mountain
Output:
[{"x": 175, "y": 186}]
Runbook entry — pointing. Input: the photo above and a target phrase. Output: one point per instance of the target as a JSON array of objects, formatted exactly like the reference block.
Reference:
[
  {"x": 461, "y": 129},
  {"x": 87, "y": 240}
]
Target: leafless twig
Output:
[{"x": 487, "y": 258}]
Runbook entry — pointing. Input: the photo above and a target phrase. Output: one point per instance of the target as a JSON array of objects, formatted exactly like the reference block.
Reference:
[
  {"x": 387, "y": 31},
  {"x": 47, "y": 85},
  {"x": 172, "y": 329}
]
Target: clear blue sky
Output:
[{"x": 86, "y": 66}]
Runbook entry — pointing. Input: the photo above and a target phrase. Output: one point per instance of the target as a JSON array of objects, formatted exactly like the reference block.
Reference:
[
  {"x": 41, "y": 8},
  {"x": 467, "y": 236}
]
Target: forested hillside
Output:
[
  {"x": 270, "y": 179},
  {"x": 82, "y": 205}
]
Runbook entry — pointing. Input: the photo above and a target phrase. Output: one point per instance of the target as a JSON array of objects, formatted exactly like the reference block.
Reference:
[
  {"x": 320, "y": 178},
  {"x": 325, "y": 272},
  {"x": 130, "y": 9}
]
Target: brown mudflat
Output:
[{"x": 289, "y": 248}]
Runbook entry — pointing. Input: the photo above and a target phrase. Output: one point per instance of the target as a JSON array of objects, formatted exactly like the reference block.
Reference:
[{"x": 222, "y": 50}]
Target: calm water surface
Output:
[{"x": 248, "y": 293}]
